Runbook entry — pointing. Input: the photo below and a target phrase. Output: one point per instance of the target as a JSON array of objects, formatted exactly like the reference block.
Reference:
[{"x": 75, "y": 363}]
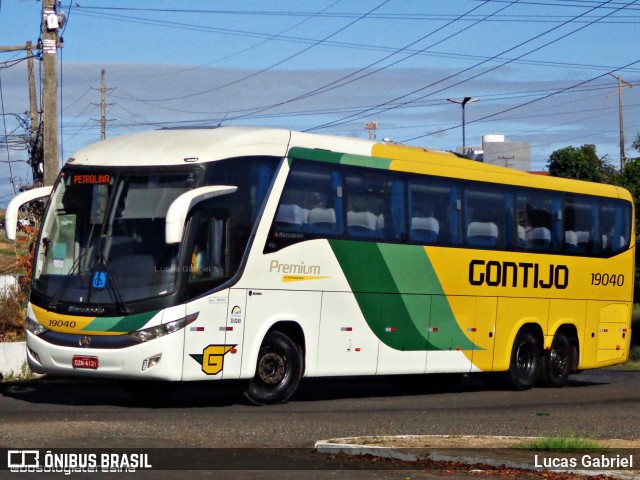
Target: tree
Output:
[
  {"x": 581, "y": 164},
  {"x": 629, "y": 178},
  {"x": 584, "y": 164}
]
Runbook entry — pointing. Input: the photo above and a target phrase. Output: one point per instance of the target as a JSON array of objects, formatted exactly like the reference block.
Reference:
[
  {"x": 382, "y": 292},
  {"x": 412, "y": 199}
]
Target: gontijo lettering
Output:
[{"x": 522, "y": 274}]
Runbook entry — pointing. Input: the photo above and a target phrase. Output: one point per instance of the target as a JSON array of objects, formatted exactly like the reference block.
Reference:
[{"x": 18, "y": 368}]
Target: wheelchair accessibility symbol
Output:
[{"x": 99, "y": 280}]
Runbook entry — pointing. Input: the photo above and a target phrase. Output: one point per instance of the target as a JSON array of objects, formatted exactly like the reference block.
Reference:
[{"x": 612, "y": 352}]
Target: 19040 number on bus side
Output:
[{"x": 606, "y": 279}]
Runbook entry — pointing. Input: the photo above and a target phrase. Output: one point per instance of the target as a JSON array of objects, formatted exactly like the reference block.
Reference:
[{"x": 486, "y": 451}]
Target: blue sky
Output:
[{"x": 539, "y": 67}]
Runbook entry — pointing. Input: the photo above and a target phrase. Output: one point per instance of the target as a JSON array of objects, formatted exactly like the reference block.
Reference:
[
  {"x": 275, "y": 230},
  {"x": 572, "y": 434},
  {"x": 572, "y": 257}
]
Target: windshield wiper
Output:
[
  {"x": 111, "y": 281},
  {"x": 67, "y": 282}
]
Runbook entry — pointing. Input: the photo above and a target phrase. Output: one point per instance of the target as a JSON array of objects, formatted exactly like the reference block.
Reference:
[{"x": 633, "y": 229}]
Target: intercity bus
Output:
[{"x": 268, "y": 255}]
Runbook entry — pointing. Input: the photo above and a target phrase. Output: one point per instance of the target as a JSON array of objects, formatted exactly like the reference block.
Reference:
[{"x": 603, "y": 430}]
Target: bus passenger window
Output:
[
  {"x": 374, "y": 206},
  {"x": 310, "y": 204},
  {"x": 484, "y": 213},
  {"x": 579, "y": 223},
  {"x": 534, "y": 215},
  {"x": 615, "y": 226},
  {"x": 432, "y": 212}
]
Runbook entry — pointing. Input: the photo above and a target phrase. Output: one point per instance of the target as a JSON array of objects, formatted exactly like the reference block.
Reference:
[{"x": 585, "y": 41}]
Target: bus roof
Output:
[
  {"x": 169, "y": 147},
  {"x": 179, "y": 146}
]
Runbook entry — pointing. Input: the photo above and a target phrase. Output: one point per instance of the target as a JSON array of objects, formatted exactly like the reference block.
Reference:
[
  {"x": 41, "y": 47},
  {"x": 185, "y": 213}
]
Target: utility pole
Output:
[
  {"x": 33, "y": 101},
  {"x": 103, "y": 104},
  {"x": 50, "y": 27},
  {"x": 623, "y": 158},
  {"x": 103, "y": 107},
  {"x": 36, "y": 159}
]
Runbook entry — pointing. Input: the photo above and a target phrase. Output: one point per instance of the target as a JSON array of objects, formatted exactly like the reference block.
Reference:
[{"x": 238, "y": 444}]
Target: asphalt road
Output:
[{"x": 56, "y": 413}]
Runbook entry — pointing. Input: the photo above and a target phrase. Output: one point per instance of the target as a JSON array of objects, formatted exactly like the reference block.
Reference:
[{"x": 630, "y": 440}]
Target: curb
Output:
[
  {"x": 13, "y": 359},
  {"x": 350, "y": 446}
]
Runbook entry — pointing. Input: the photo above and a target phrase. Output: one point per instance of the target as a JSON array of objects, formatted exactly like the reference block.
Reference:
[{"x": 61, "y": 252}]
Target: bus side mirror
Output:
[
  {"x": 11, "y": 214},
  {"x": 179, "y": 209}
]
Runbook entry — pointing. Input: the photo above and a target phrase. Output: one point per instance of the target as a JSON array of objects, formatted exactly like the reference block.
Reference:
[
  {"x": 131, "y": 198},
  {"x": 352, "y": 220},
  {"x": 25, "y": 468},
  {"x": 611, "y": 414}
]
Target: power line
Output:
[
  {"x": 524, "y": 104},
  {"x": 4, "y": 122},
  {"x": 353, "y": 117},
  {"x": 280, "y": 62},
  {"x": 289, "y": 13},
  {"x": 348, "y": 78}
]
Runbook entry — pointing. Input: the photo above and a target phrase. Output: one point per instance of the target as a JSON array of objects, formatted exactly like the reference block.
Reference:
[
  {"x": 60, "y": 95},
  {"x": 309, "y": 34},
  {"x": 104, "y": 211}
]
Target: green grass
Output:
[
  {"x": 634, "y": 354},
  {"x": 567, "y": 444},
  {"x": 634, "y": 359},
  {"x": 25, "y": 373}
]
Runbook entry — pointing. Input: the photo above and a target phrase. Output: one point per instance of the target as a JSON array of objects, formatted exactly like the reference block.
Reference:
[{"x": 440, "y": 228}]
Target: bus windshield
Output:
[{"x": 103, "y": 239}]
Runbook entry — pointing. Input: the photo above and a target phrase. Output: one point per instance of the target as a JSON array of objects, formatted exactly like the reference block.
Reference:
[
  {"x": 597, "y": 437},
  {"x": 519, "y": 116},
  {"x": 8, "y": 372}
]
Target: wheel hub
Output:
[{"x": 272, "y": 368}]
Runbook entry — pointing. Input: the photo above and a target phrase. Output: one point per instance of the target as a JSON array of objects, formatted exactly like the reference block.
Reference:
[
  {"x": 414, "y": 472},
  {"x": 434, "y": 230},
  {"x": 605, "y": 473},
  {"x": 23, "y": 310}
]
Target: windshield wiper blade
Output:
[
  {"x": 111, "y": 281},
  {"x": 67, "y": 282}
]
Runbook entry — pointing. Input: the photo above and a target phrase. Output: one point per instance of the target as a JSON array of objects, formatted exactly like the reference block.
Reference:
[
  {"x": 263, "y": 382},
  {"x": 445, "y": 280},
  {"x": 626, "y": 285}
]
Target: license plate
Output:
[{"x": 85, "y": 362}]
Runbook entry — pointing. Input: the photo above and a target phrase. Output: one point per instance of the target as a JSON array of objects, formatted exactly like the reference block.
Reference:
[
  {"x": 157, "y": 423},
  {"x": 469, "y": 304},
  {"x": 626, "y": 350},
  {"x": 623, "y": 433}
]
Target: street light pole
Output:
[{"x": 463, "y": 102}]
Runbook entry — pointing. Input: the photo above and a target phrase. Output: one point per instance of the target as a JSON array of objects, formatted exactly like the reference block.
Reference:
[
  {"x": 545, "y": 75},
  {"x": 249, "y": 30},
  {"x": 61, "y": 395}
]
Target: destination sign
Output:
[{"x": 91, "y": 179}]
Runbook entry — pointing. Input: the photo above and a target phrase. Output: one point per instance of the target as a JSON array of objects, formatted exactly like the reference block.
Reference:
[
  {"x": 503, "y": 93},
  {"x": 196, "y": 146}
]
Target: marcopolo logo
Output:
[{"x": 523, "y": 274}]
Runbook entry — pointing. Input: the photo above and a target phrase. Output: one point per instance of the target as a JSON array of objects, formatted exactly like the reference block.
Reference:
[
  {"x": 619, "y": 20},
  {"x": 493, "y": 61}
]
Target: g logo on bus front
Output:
[{"x": 213, "y": 358}]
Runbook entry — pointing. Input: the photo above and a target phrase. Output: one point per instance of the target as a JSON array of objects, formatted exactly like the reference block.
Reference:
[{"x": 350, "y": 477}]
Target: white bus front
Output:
[{"x": 115, "y": 279}]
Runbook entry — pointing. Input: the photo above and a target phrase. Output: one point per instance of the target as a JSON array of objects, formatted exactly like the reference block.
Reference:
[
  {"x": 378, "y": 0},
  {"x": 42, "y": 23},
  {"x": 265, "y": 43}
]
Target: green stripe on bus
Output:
[
  {"x": 339, "y": 158},
  {"x": 398, "y": 291},
  {"x": 130, "y": 323}
]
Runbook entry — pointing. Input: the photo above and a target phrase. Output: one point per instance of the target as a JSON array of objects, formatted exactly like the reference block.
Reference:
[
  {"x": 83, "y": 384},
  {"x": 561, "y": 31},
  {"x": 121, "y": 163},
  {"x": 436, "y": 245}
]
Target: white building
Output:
[{"x": 496, "y": 150}]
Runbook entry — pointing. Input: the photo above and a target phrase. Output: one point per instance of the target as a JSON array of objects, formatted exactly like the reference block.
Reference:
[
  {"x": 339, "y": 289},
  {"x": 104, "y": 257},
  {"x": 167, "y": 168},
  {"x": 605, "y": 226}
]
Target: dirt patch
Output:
[
  {"x": 460, "y": 441},
  {"x": 497, "y": 455}
]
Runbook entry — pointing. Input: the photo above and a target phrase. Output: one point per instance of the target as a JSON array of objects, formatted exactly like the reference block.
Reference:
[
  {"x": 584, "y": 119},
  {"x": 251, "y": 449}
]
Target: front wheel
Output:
[
  {"x": 557, "y": 362},
  {"x": 525, "y": 361},
  {"x": 278, "y": 371}
]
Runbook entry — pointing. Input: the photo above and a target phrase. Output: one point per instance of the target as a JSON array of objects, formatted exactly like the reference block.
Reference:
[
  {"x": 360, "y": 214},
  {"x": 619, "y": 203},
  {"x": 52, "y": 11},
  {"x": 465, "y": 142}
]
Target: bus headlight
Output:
[
  {"x": 158, "y": 331},
  {"x": 34, "y": 326}
]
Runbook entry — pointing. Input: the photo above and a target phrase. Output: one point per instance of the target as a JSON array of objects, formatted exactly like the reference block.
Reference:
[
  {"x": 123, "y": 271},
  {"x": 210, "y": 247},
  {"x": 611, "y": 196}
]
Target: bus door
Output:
[
  {"x": 212, "y": 341},
  {"x": 205, "y": 339}
]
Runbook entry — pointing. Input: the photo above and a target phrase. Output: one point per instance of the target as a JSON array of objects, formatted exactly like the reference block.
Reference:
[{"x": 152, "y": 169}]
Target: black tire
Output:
[
  {"x": 525, "y": 361},
  {"x": 278, "y": 371},
  {"x": 557, "y": 362}
]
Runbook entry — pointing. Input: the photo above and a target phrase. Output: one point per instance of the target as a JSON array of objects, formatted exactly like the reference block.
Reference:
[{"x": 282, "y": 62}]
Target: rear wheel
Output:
[
  {"x": 278, "y": 370},
  {"x": 525, "y": 361},
  {"x": 557, "y": 362}
]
